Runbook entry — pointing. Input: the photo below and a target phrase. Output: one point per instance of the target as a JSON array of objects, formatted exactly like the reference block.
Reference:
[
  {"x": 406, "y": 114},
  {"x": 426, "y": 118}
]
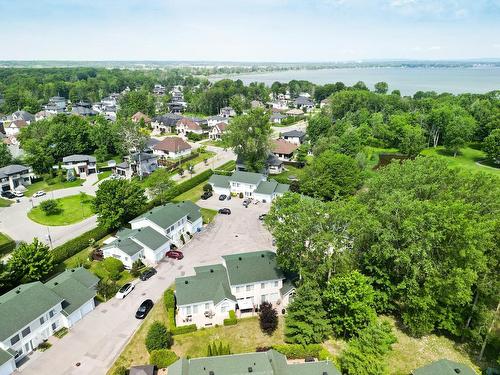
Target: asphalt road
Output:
[{"x": 97, "y": 340}]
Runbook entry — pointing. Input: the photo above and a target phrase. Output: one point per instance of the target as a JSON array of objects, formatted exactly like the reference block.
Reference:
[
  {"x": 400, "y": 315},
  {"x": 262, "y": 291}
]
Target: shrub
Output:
[
  {"x": 183, "y": 240},
  {"x": 162, "y": 358},
  {"x": 107, "y": 289},
  {"x": 114, "y": 267},
  {"x": 207, "y": 187},
  {"x": 50, "y": 207},
  {"x": 169, "y": 299},
  {"x": 268, "y": 318},
  {"x": 70, "y": 248},
  {"x": 297, "y": 351},
  {"x": 183, "y": 329},
  {"x": 231, "y": 321},
  {"x": 44, "y": 346},
  {"x": 136, "y": 268},
  {"x": 217, "y": 348},
  {"x": 61, "y": 333},
  {"x": 158, "y": 337},
  {"x": 120, "y": 370}
]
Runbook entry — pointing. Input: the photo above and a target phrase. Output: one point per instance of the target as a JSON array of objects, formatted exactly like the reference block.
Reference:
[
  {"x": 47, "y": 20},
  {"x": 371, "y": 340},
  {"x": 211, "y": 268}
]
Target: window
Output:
[
  {"x": 238, "y": 289},
  {"x": 54, "y": 326},
  {"x": 188, "y": 310},
  {"x": 207, "y": 306},
  {"x": 25, "y": 332},
  {"x": 195, "y": 309},
  {"x": 249, "y": 288},
  {"x": 14, "y": 339},
  {"x": 262, "y": 285},
  {"x": 276, "y": 284},
  {"x": 263, "y": 298},
  {"x": 42, "y": 320},
  {"x": 223, "y": 308},
  {"x": 51, "y": 313}
]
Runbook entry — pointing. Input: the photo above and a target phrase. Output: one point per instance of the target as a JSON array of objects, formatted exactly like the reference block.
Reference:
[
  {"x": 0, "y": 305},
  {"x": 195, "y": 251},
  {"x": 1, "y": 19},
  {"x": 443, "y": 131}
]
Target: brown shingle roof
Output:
[
  {"x": 221, "y": 126},
  {"x": 140, "y": 116},
  {"x": 189, "y": 124},
  {"x": 18, "y": 124},
  {"x": 280, "y": 146},
  {"x": 172, "y": 144}
]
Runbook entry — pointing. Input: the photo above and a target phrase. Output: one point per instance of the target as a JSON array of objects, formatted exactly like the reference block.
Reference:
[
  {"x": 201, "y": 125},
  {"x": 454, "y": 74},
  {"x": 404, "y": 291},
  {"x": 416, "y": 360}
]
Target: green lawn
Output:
[
  {"x": 202, "y": 156},
  {"x": 116, "y": 158},
  {"x": 6, "y": 244},
  {"x": 192, "y": 195},
  {"x": 228, "y": 167},
  {"x": 5, "y": 202},
  {"x": 208, "y": 215},
  {"x": 289, "y": 170},
  {"x": 103, "y": 175},
  {"x": 73, "y": 211},
  {"x": 211, "y": 142},
  {"x": 43, "y": 185},
  {"x": 467, "y": 159}
]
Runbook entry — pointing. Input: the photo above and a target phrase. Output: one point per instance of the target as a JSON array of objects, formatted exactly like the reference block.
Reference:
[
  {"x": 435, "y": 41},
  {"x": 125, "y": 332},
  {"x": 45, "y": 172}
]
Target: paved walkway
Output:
[
  {"x": 97, "y": 340},
  {"x": 15, "y": 223}
]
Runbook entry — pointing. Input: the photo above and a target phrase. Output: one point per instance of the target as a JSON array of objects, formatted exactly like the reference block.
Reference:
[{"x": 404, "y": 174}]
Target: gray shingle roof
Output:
[
  {"x": 76, "y": 158},
  {"x": 252, "y": 267},
  {"x": 4, "y": 356},
  {"x": 444, "y": 367},
  {"x": 219, "y": 180},
  {"x": 147, "y": 236},
  {"x": 247, "y": 177},
  {"x": 127, "y": 245},
  {"x": 13, "y": 169},
  {"x": 294, "y": 133},
  {"x": 266, "y": 187},
  {"x": 168, "y": 214}
]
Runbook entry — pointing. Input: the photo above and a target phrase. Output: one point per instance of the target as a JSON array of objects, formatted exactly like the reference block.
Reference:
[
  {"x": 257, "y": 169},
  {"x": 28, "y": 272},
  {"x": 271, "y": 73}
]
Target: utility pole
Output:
[{"x": 49, "y": 238}]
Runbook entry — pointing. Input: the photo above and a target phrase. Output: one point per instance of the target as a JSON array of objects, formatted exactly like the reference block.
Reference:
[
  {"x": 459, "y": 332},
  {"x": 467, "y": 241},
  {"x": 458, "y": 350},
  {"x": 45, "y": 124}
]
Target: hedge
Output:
[
  {"x": 7, "y": 244},
  {"x": 162, "y": 358},
  {"x": 169, "y": 299},
  {"x": 183, "y": 329},
  {"x": 70, "y": 248},
  {"x": 231, "y": 321},
  {"x": 297, "y": 351}
]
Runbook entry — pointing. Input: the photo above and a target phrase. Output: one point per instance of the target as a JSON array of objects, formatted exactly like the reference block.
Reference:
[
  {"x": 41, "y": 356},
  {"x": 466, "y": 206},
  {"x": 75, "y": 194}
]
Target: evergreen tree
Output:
[{"x": 306, "y": 321}]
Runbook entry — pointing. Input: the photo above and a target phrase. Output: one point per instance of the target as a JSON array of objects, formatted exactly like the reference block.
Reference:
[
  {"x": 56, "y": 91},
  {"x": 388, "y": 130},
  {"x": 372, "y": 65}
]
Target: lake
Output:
[{"x": 407, "y": 80}]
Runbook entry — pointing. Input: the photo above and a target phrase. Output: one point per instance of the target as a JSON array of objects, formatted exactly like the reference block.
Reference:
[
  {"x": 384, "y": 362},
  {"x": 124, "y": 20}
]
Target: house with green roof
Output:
[
  {"x": 261, "y": 363},
  {"x": 249, "y": 184},
  {"x": 32, "y": 312},
  {"x": 241, "y": 283},
  {"x": 444, "y": 367},
  {"x": 154, "y": 232}
]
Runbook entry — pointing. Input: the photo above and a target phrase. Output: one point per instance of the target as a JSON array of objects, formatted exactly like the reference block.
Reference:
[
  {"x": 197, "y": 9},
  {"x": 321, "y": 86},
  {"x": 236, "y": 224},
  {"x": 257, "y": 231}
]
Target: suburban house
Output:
[
  {"x": 13, "y": 176},
  {"x": 159, "y": 90},
  {"x": 276, "y": 118},
  {"x": 324, "y": 102},
  {"x": 83, "y": 165},
  {"x": 294, "y": 136},
  {"x": 444, "y": 367},
  {"x": 140, "y": 164},
  {"x": 165, "y": 123},
  {"x": 42, "y": 115},
  {"x": 138, "y": 116},
  {"x": 83, "y": 109},
  {"x": 274, "y": 165},
  {"x": 56, "y": 104},
  {"x": 304, "y": 103},
  {"x": 32, "y": 312},
  {"x": 214, "y": 120},
  {"x": 295, "y": 112},
  {"x": 217, "y": 131},
  {"x": 172, "y": 148},
  {"x": 283, "y": 149},
  {"x": 14, "y": 127},
  {"x": 186, "y": 125},
  {"x": 22, "y": 115},
  {"x": 256, "y": 104},
  {"x": 278, "y": 104},
  {"x": 241, "y": 283},
  {"x": 249, "y": 184},
  {"x": 154, "y": 233},
  {"x": 227, "y": 112},
  {"x": 262, "y": 363}
]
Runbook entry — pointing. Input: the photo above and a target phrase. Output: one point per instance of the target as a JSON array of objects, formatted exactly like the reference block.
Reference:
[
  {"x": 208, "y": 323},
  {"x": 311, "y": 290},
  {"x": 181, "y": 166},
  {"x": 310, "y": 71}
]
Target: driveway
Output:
[
  {"x": 301, "y": 125},
  {"x": 97, "y": 340},
  {"x": 15, "y": 223}
]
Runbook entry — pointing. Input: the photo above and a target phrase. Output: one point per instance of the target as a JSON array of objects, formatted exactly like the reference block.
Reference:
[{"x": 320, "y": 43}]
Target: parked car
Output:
[
  {"x": 262, "y": 217},
  {"x": 174, "y": 254},
  {"x": 246, "y": 202},
  {"x": 225, "y": 211},
  {"x": 8, "y": 194},
  {"x": 206, "y": 195},
  {"x": 222, "y": 197},
  {"x": 125, "y": 290},
  {"x": 144, "y": 309},
  {"x": 147, "y": 274},
  {"x": 18, "y": 194},
  {"x": 40, "y": 193}
]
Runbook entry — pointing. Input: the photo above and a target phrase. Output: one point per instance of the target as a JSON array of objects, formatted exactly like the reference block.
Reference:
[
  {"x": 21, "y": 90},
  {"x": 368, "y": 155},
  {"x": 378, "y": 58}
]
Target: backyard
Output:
[
  {"x": 6, "y": 244},
  {"x": 5, "y": 202},
  {"x": 73, "y": 209},
  {"x": 45, "y": 186}
]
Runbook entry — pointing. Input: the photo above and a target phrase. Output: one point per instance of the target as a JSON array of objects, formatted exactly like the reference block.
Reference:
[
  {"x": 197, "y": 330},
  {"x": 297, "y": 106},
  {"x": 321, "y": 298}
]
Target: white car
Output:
[
  {"x": 125, "y": 290},
  {"x": 40, "y": 193},
  {"x": 18, "y": 193}
]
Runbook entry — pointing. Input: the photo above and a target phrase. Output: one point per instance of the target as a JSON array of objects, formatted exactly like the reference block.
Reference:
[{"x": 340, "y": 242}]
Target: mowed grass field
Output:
[{"x": 73, "y": 210}]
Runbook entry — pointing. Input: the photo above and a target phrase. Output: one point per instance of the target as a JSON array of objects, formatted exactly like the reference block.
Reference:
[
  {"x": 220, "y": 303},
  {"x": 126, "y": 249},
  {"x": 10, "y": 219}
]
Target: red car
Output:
[{"x": 174, "y": 254}]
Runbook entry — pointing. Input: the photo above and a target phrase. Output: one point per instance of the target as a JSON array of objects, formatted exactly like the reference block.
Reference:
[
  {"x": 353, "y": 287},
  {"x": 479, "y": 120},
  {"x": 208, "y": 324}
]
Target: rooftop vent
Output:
[
  {"x": 73, "y": 270},
  {"x": 457, "y": 370},
  {"x": 186, "y": 282},
  {"x": 210, "y": 373},
  {"x": 262, "y": 255},
  {"x": 56, "y": 283},
  {"x": 250, "y": 369},
  {"x": 325, "y": 373},
  {"x": 240, "y": 258},
  {"x": 18, "y": 291},
  {"x": 211, "y": 270}
]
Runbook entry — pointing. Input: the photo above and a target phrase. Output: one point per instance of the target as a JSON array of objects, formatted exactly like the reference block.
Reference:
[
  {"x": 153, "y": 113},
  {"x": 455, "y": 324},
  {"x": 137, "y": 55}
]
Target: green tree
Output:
[
  {"x": 412, "y": 140},
  {"x": 491, "y": 146},
  {"x": 5, "y": 155},
  {"x": 366, "y": 354},
  {"x": 330, "y": 176},
  {"x": 237, "y": 102},
  {"x": 158, "y": 337},
  {"x": 118, "y": 201},
  {"x": 349, "y": 303},
  {"x": 113, "y": 267},
  {"x": 458, "y": 133},
  {"x": 207, "y": 188},
  {"x": 158, "y": 183},
  {"x": 381, "y": 87},
  {"x": 268, "y": 318},
  {"x": 249, "y": 136},
  {"x": 318, "y": 126},
  {"x": 306, "y": 322},
  {"x": 50, "y": 207},
  {"x": 136, "y": 101},
  {"x": 30, "y": 262}
]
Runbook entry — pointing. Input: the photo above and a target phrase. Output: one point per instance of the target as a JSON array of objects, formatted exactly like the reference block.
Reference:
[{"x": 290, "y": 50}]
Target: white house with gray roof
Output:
[
  {"x": 14, "y": 175},
  {"x": 153, "y": 233},
  {"x": 249, "y": 184},
  {"x": 32, "y": 312},
  {"x": 241, "y": 283},
  {"x": 83, "y": 165}
]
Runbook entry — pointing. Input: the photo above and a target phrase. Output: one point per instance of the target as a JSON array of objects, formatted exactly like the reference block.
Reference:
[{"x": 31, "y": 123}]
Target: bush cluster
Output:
[
  {"x": 169, "y": 303},
  {"x": 183, "y": 329},
  {"x": 158, "y": 337},
  {"x": 162, "y": 358},
  {"x": 296, "y": 351},
  {"x": 231, "y": 321},
  {"x": 70, "y": 248}
]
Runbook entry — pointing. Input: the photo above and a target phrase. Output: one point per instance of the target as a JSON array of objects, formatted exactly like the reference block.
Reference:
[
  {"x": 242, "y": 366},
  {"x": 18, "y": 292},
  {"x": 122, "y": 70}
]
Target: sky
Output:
[{"x": 249, "y": 30}]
